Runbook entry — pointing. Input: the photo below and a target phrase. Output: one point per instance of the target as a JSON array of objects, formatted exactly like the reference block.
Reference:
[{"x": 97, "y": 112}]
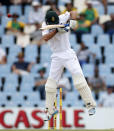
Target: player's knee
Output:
[
  {"x": 79, "y": 81},
  {"x": 51, "y": 85}
]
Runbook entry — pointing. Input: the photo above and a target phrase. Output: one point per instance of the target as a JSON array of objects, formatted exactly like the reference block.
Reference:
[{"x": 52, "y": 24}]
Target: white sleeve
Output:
[
  {"x": 64, "y": 17},
  {"x": 44, "y": 32}
]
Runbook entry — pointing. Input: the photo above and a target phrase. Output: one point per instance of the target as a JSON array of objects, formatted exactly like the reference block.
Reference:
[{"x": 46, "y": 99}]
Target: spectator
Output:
[
  {"x": 21, "y": 67},
  {"x": 82, "y": 26},
  {"x": 108, "y": 26},
  {"x": 84, "y": 53},
  {"x": 3, "y": 59},
  {"x": 36, "y": 16},
  {"x": 40, "y": 83},
  {"x": 100, "y": 3},
  {"x": 97, "y": 83},
  {"x": 22, "y": 2},
  {"x": 14, "y": 26},
  {"x": 107, "y": 99},
  {"x": 53, "y": 7},
  {"x": 1, "y": 11},
  {"x": 91, "y": 13},
  {"x": 64, "y": 84},
  {"x": 69, "y": 7},
  {"x": 105, "y": 3},
  {"x": 6, "y": 2},
  {"x": 15, "y": 2},
  {"x": 26, "y": 1},
  {"x": 23, "y": 39}
]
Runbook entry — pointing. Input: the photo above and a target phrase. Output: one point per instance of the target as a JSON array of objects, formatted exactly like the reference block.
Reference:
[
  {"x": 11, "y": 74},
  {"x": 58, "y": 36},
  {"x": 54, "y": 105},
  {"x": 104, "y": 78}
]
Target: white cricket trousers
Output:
[{"x": 58, "y": 64}]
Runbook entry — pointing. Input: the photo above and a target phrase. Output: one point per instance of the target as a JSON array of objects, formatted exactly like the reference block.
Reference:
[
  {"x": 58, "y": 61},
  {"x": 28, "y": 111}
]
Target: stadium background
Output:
[{"x": 19, "y": 92}]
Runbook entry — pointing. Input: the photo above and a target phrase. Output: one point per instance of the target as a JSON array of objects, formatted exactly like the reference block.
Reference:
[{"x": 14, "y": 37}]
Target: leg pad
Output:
[
  {"x": 84, "y": 90},
  {"x": 51, "y": 90}
]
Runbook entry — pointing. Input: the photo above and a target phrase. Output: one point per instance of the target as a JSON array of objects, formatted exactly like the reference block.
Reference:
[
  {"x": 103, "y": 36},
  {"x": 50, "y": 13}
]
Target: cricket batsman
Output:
[{"x": 63, "y": 57}]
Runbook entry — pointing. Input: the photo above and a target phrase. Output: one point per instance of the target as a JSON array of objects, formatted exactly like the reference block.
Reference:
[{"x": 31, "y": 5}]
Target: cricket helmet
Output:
[{"x": 51, "y": 18}]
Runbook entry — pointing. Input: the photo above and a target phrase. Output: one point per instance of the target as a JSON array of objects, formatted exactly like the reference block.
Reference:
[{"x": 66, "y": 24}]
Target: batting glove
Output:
[{"x": 64, "y": 29}]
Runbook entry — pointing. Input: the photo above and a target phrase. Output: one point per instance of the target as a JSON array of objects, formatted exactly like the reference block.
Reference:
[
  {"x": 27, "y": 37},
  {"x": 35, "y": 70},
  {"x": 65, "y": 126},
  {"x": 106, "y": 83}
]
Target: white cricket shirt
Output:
[
  {"x": 36, "y": 16},
  {"x": 60, "y": 44}
]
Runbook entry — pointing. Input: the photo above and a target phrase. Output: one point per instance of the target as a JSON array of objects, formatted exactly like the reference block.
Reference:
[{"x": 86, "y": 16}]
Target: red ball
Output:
[{"x": 9, "y": 15}]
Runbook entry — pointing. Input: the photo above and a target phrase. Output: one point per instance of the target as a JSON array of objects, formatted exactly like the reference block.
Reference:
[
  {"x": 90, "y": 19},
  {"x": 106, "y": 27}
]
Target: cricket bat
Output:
[{"x": 47, "y": 27}]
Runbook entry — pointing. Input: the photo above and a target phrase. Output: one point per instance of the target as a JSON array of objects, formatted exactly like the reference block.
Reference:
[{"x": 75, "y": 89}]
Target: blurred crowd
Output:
[{"x": 28, "y": 33}]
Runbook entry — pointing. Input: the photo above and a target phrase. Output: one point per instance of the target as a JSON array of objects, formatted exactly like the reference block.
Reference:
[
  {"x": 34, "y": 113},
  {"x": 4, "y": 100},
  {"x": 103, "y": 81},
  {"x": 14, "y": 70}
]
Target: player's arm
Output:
[
  {"x": 47, "y": 37},
  {"x": 50, "y": 35}
]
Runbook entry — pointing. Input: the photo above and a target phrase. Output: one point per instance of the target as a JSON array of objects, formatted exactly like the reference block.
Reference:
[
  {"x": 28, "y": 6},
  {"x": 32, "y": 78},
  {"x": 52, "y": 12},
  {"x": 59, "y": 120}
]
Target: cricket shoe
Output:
[
  {"x": 91, "y": 111},
  {"x": 49, "y": 116}
]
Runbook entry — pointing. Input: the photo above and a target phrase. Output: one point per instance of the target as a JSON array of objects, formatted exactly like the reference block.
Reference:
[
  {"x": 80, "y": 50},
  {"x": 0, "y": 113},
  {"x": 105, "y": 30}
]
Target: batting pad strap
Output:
[
  {"x": 79, "y": 81},
  {"x": 51, "y": 85}
]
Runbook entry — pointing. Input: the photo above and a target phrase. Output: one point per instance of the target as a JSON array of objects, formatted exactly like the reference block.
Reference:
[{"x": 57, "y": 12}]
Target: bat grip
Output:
[{"x": 66, "y": 25}]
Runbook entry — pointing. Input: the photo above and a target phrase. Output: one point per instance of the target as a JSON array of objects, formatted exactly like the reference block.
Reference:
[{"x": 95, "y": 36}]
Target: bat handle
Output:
[{"x": 66, "y": 25}]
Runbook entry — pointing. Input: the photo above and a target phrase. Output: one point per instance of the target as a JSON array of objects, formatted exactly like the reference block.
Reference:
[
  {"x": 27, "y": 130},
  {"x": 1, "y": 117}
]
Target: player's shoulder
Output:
[
  {"x": 64, "y": 17},
  {"x": 66, "y": 14}
]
